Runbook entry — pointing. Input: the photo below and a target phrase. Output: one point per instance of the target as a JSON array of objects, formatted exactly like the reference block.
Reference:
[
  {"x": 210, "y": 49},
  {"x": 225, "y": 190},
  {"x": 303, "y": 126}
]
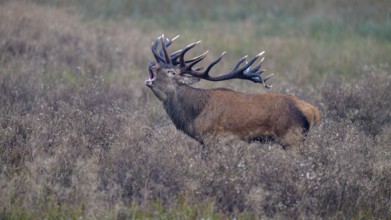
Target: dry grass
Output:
[{"x": 80, "y": 136}]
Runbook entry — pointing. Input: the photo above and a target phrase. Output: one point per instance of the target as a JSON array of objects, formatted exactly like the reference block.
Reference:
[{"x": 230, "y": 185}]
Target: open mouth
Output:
[{"x": 152, "y": 77}]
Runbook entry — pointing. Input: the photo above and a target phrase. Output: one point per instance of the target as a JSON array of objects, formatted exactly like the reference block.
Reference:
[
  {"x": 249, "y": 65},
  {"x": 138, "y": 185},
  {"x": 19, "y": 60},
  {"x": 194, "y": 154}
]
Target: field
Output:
[{"x": 82, "y": 137}]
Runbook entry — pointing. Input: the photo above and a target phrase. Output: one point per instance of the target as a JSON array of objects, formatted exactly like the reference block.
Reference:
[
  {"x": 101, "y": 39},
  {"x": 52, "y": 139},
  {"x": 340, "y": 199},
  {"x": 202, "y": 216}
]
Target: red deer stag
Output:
[{"x": 208, "y": 113}]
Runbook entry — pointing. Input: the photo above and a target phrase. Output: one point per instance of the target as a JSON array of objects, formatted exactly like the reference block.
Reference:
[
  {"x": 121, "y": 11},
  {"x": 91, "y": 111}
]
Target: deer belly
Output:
[{"x": 243, "y": 129}]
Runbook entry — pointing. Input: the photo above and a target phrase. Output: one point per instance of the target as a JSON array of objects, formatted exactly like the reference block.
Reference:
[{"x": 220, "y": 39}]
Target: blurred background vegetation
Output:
[
  {"x": 82, "y": 137},
  {"x": 333, "y": 36},
  {"x": 329, "y": 20}
]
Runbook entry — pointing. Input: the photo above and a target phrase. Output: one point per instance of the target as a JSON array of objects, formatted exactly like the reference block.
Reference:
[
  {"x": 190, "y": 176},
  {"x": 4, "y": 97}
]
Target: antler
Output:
[
  {"x": 245, "y": 72},
  {"x": 163, "y": 56}
]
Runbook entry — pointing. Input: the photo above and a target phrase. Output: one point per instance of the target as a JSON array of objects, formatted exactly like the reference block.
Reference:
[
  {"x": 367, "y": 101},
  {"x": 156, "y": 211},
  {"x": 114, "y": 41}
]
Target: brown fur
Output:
[{"x": 257, "y": 116}]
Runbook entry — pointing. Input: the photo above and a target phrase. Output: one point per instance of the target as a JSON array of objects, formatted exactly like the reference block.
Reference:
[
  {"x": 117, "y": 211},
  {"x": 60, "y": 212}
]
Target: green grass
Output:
[{"x": 156, "y": 210}]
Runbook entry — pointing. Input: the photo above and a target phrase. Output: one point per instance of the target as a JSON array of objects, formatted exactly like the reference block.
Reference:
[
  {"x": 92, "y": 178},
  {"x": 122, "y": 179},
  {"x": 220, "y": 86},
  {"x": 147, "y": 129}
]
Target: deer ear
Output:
[{"x": 188, "y": 80}]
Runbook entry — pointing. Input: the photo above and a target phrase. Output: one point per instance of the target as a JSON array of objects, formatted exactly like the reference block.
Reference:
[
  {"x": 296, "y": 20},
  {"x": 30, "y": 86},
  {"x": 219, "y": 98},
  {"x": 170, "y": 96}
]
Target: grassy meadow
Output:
[{"x": 82, "y": 137}]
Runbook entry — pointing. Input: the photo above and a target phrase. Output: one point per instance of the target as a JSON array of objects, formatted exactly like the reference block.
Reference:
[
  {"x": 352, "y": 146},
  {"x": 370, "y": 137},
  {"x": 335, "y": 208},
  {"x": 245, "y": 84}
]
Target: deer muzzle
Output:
[{"x": 152, "y": 77}]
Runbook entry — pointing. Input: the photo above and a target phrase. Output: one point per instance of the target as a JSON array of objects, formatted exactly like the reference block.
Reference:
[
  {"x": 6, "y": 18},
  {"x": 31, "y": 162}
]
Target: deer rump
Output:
[{"x": 208, "y": 114}]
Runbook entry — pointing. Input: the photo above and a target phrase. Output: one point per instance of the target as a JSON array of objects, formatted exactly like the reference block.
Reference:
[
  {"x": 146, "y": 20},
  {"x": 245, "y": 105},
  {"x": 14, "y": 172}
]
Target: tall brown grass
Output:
[{"x": 80, "y": 136}]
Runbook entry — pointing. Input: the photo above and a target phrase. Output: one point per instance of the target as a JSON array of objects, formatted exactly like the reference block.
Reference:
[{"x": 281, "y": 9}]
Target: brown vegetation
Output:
[{"x": 79, "y": 136}]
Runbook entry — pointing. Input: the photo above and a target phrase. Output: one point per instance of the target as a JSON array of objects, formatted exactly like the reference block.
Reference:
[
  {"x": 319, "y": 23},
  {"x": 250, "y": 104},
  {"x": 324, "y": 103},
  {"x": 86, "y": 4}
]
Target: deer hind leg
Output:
[
  {"x": 263, "y": 139},
  {"x": 293, "y": 137}
]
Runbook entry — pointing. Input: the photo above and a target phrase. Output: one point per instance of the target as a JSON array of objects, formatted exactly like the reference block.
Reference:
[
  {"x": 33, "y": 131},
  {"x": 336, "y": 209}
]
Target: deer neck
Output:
[{"x": 184, "y": 105}]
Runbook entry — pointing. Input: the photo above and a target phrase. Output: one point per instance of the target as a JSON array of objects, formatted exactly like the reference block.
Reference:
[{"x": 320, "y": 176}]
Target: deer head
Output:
[
  {"x": 172, "y": 70},
  {"x": 165, "y": 79}
]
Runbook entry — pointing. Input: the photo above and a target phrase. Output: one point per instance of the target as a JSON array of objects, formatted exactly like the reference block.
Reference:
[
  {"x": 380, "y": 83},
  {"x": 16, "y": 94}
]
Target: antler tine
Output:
[
  {"x": 163, "y": 56},
  {"x": 196, "y": 59},
  {"x": 205, "y": 74},
  {"x": 259, "y": 65},
  {"x": 240, "y": 62},
  {"x": 249, "y": 63},
  {"x": 174, "y": 57},
  {"x": 214, "y": 63},
  {"x": 264, "y": 79},
  {"x": 166, "y": 42},
  {"x": 174, "y": 38},
  {"x": 154, "y": 47},
  {"x": 255, "y": 73},
  {"x": 182, "y": 54}
]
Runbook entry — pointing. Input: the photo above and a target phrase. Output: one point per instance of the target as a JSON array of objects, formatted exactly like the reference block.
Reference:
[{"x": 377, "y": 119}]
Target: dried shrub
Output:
[{"x": 364, "y": 101}]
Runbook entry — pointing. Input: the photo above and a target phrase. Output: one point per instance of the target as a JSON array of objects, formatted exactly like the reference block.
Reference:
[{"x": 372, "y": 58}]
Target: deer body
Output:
[
  {"x": 204, "y": 114},
  {"x": 210, "y": 113}
]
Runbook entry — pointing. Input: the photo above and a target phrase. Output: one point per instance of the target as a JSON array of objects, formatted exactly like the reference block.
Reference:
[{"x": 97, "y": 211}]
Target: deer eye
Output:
[{"x": 171, "y": 72}]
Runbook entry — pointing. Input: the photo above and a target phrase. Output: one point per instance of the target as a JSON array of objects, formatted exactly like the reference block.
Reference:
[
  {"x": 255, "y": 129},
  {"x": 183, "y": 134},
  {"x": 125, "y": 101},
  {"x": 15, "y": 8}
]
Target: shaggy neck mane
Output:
[{"x": 184, "y": 105}]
